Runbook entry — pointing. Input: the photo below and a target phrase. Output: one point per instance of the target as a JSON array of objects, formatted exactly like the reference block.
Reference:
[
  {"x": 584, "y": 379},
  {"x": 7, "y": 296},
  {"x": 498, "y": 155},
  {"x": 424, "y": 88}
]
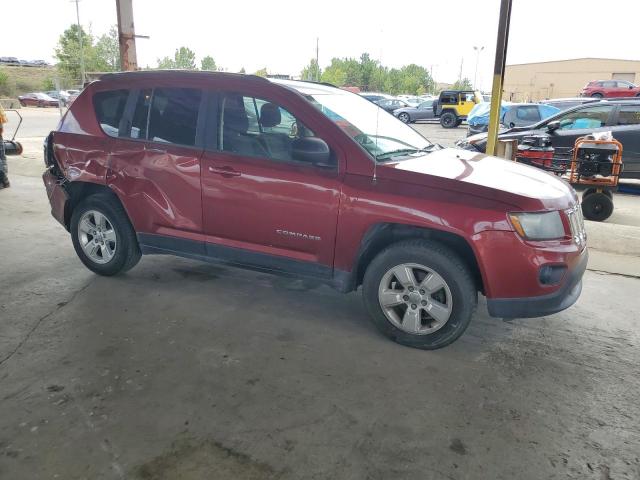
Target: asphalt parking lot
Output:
[{"x": 180, "y": 369}]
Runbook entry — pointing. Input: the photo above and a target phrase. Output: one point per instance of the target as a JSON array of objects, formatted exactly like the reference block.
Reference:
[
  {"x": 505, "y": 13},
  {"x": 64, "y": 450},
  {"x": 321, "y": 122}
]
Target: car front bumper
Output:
[{"x": 540, "y": 306}]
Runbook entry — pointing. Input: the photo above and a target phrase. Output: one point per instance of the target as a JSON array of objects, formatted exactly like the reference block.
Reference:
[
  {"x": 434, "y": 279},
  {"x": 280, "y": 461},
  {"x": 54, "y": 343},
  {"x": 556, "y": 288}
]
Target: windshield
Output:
[{"x": 380, "y": 133}]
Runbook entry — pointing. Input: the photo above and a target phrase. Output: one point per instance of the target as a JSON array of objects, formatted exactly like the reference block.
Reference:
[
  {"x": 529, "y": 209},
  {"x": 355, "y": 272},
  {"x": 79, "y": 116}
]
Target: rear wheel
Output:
[
  {"x": 596, "y": 95},
  {"x": 420, "y": 294},
  {"x": 448, "y": 120},
  {"x": 103, "y": 236},
  {"x": 404, "y": 117},
  {"x": 597, "y": 207}
]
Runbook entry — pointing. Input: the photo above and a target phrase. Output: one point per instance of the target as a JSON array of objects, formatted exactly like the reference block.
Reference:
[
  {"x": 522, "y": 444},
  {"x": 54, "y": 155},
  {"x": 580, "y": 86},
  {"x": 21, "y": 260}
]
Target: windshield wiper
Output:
[{"x": 403, "y": 151}]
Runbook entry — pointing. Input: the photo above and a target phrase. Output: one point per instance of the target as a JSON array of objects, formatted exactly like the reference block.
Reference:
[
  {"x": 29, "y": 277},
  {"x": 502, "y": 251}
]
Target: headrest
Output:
[
  {"x": 270, "y": 115},
  {"x": 235, "y": 116}
]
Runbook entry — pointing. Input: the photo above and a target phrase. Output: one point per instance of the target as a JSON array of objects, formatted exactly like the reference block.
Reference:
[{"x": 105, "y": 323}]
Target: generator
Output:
[
  {"x": 597, "y": 164},
  {"x": 537, "y": 151}
]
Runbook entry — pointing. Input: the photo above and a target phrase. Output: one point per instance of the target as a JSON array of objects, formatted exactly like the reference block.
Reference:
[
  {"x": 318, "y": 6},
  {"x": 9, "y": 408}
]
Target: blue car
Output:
[{"x": 511, "y": 115}]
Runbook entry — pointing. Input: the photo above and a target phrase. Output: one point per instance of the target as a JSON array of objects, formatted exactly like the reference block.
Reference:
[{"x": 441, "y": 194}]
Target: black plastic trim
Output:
[
  {"x": 210, "y": 252},
  {"x": 532, "y": 307}
]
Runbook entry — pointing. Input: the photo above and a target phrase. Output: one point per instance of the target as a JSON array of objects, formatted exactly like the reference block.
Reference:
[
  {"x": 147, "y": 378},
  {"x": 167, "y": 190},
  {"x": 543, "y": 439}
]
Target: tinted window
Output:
[
  {"x": 449, "y": 98},
  {"x": 589, "y": 117},
  {"x": 109, "y": 107},
  {"x": 138, "y": 128},
  {"x": 256, "y": 127},
  {"x": 528, "y": 114},
  {"x": 174, "y": 115},
  {"x": 425, "y": 105},
  {"x": 629, "y": 115}
]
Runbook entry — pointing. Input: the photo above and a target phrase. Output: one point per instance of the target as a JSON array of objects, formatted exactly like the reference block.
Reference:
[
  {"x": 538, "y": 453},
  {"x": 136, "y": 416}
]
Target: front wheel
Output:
[
  {"x": 103, "y": 236},
  {"x": 404, "y": 117},
  {"x": 448, "y": 120},
  {"x": 419, "y": 294},
  {"x": 596, "y": 95}
]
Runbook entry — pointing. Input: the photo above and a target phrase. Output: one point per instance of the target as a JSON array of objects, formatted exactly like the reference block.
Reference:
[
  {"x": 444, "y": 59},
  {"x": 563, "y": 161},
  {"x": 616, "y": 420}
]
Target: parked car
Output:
[
  {"x": 453, "y": 106},
  {"x": 620, "y": 117},
  {"x": 9, "y": 61},
  {"x": 348, "y": 197},
  {"x": 511, "y": 115},
  {"x": 73, "y": 94},
  {"x": 409, "y": 114},
  {"x": 413, "y": 101},
  {"x": 375, "y": 97},
  {"x": 391, "y": 104},
  {"x": 567, "y": 103},
  {"x": 38, "y": 99},
  {"x": 610, "y": 89},
  {"x": 58, "y": 95}
]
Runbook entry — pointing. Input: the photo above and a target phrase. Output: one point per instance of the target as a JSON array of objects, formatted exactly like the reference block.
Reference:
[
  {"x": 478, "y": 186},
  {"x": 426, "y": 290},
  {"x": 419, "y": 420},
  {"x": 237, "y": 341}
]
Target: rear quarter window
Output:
[{"x": 109, "y": 108}]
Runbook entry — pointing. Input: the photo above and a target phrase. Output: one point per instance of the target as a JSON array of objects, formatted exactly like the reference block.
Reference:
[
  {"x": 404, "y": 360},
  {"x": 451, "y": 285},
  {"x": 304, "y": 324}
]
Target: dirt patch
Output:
[{"x": 192, "y": 460}]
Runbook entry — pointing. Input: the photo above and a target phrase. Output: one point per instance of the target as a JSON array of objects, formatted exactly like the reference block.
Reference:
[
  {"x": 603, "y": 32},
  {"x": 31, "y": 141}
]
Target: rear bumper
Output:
[
  {"x": 57, "y": 196},
  {"x": 531, "y": 307}
]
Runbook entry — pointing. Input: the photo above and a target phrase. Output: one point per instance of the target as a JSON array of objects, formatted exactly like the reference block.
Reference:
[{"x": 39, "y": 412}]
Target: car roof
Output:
[
  {"x": 301, "y": 86},
  {"x": 314, "y": 88}
]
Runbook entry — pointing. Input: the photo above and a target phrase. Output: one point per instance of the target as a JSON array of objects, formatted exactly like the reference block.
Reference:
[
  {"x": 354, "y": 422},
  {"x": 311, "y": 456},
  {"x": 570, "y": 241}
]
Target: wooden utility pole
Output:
[
  {"x": 498, "y": 75},
  {"x": 126, "y": 35}
]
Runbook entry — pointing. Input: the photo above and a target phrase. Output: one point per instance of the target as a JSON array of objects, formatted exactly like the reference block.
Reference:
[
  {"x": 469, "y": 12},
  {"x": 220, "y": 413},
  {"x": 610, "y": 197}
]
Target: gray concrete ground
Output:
[{"x": 187, "y": 370}]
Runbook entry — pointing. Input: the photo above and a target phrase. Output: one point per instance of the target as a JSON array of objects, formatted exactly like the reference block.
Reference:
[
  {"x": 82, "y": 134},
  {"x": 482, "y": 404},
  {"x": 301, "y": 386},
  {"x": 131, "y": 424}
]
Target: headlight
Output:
[{"x": 538, "y": 226}]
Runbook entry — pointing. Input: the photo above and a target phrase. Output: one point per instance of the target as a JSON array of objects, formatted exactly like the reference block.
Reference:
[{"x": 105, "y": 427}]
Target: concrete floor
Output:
[{"x": 184, "y": 370}]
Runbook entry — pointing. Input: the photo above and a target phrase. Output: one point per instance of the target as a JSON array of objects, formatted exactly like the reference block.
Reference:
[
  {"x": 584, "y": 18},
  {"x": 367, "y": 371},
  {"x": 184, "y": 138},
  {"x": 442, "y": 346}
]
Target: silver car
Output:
[{"x": 424, "y": 111}]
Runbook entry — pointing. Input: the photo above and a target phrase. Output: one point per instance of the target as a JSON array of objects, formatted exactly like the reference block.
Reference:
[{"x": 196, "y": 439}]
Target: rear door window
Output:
[
  {"x": 140, "y": 119},
  {"x": 109, "y": 107},
  {"x": 173, "y": 117},
  {"x": 528, "y": 114},
  {"x": 629, "y": 115}
]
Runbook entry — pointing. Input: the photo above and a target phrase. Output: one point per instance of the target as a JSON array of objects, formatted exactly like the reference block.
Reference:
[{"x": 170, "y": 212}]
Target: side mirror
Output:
[
  {"x": 630, "y": 87},
  {"x": 312, "y": 150},
  {"x": 553, "y": 126}
]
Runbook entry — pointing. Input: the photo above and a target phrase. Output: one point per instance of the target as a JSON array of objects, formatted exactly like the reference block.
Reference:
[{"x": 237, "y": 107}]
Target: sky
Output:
[{"x": 281, "y": 35}]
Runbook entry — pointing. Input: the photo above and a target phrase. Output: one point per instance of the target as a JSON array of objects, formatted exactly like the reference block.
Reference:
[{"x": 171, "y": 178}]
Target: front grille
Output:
[{"x": 576, "y": 222}]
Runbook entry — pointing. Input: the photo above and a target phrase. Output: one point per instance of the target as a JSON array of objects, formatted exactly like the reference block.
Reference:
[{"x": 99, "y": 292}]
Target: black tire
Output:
[
  {"x": 441, "y": 260},
  {"x": 597, "y": 207},
  {"x": 596, "y": 95},
  {"x": 591, "y": 191},
  {"x": 404, "y": 117},
  {"x": 458, "y": 123},
  {"x": 127, "y": 252},
  {"x": 448, "y": 120},
  {"x": 638, "y": 95}
]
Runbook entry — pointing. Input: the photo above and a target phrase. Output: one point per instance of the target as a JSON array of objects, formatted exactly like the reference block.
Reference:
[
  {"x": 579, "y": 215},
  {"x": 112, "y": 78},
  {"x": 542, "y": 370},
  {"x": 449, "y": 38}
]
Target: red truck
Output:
[{"x": 306, "y": 179}]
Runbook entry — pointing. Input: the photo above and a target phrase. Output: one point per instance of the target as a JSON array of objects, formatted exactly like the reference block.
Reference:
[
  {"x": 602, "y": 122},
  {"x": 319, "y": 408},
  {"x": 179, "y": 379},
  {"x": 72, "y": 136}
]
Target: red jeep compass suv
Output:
[{"x": 307, "y": 179}]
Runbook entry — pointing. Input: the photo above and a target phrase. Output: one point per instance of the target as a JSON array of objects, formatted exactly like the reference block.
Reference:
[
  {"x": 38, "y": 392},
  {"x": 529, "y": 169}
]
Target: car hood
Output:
[{"x": 490, "y": 177}]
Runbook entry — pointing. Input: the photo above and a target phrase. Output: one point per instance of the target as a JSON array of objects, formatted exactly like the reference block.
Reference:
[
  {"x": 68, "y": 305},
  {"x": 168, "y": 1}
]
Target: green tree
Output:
[
  {"x": 102, "y": 55},
  {"x": 208, "y": 63},
  {"x": 184, "y": 59},
  {"x": 262, "y": 72},
  {"x": 464, "y": 84},
  {"x": 68, "y": 52},
  {"x": 311, "y": 71},
  {"x": 107, "y": 51}
]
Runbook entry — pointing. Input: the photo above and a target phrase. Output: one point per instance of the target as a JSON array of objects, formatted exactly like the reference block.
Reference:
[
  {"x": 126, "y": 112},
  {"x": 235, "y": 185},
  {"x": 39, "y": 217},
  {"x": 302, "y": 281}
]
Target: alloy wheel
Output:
[
  {"x": 415, "y": 298},
  {"x": 97, "y": 236}
]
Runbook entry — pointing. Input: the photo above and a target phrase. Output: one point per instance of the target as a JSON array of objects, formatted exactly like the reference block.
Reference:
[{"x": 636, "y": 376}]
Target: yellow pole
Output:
[{"x": 498, "y": 76}]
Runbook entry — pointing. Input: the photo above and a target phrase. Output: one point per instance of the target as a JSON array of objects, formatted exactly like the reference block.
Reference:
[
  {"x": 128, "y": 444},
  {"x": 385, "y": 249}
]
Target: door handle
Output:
[
  {"x": 155, "y": 150},
  {"x": 224, "y": 171}
]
